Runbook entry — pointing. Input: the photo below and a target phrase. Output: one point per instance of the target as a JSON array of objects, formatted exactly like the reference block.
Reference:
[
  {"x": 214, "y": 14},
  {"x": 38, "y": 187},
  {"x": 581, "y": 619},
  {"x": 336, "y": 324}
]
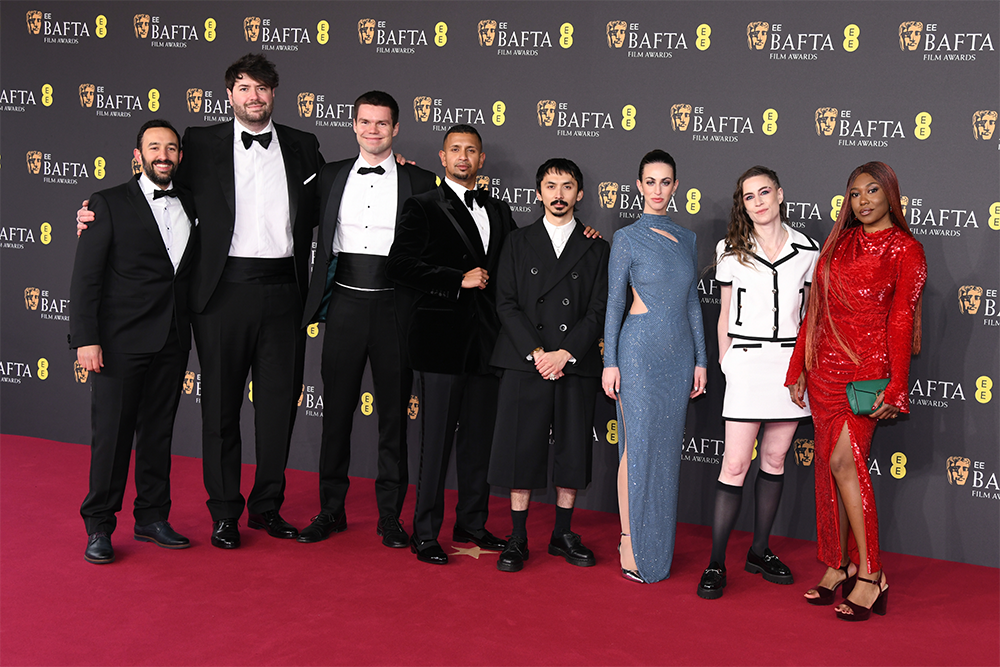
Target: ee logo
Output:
[
  {"x": 753, "y": 457},
  {"x": 995, "y": 215},
  {"x": 770, "y": 125},
  {"x": 851, "y": 42},
  {"x": 312, "y": 330},
  {"x": 46, "y": 236},
  {"x": 566, "y": 35},
  {"x": 441, "y": 34},
  {"x": 983, "y": 385},
  {"x": 102, "y": 26},
  {"x": 43, "y": 368},
  {"x": 367, "y": 403},
  {"x": 628, "y": 117},
  {"x": 210, "y": 26},
  {"x": 613, "y": 432},
  {"x": 693, "y": 201},
  {"x": 898, "y": 467},
  {"x": 47, "y": 95},
  {"x": 836, "y": 203},
  {"x": 498, "y": 113},
  {"x": 99, "y": 171},
  {"x": 323, "y": 32},
  {"x": 154, "y": 99},
  {"x": 250, "y": 391},
  {"x": 923, "y": 128},
  {"x": 702, "y": 33}
]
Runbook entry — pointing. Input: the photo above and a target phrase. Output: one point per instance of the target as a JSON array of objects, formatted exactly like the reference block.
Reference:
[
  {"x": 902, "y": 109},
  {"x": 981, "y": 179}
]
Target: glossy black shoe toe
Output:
[
  {"x": 514, "y": 554},
  {"x": 713, "y": 580},
  {"x": 226, "y": 534},
  {"x": 569, "y": 546},
  {"x": 428, "y": 551},
  {"x": 769, "y": 566},
  {"x": 272, "y": 522},
  {"x": 323, "y": 525},
  {"x": 99, "y": 550},
  {"x": 482, "y": 538},
  {"x": 392, "y": 532},
  {"x": 161, "y": 534}
]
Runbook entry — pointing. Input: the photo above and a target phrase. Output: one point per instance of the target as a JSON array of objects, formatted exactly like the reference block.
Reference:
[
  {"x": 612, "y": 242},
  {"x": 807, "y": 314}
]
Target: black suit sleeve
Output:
[
  {"x": 516, "y": 324},
  {"x": 407, "y": 263},
  {"x": 581, "y": 336},
  {"x": 89, "y": 268}
]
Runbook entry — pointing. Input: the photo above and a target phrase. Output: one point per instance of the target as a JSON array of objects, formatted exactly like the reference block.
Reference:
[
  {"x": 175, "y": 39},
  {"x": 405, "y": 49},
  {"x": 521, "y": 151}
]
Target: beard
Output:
[{"x": 154, "y": 176}]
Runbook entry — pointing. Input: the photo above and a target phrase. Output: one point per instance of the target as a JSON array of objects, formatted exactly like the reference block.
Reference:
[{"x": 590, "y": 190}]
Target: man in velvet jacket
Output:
[{"x": 446, "y": 250}]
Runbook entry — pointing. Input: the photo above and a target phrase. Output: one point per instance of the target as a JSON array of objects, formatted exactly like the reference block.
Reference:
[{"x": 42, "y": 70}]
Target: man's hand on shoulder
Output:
[{"x": 83, "y": 216}]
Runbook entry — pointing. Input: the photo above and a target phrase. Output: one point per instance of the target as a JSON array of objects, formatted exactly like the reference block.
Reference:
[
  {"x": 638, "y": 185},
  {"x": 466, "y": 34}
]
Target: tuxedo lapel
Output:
[
  {"x": 224, "y": 166},
  {"x": 293, "y": 170},
  {"x": 541, "y": 245},
  {"x": 576, "y": 247},
  {"x": 404, "y": 188},
  {"x": 332, "y": 211},
  {"x": 188, "y": 205},
  {"x": 144, "y": 213},
  {"x": 496, "y": 233},
  {"x": 457, "y": 213}
]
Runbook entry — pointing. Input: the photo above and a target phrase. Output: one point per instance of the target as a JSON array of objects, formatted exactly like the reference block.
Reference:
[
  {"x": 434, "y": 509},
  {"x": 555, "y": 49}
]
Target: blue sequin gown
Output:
[{"x": 656, "y": 353}]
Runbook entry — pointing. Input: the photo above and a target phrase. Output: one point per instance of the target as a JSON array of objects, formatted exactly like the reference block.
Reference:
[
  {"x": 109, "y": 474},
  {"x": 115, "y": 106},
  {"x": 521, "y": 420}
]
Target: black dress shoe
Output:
[
  {"x": 99, "y": 550},
  {"x": 226, "y": 534},
  {"x": 323, "y": 525},
  {"x": 569, "y": 546},
  {"x": 428, "y": 551},
  {"x": 161, "y": 534},
  {"x": 713, "y": 580},
  {"x": 272, "y": 522},
  {"x": 514, "y": 554},
  {"x": 768, "y": 565},
  {"x": 392, "y": 532},
  {"x": 482, "y": 538}
]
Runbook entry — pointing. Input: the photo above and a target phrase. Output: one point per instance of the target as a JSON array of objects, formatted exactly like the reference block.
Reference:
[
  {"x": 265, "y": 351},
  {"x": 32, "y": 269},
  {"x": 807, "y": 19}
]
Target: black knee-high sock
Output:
[
  {"x": 727, "y": 508},
  {"x": 767, "y": 495},
  {"x": 519, "y": 518}
]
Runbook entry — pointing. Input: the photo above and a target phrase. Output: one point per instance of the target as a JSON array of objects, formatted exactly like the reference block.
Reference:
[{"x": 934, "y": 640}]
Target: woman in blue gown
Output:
[{"x": 649, "y": 363}]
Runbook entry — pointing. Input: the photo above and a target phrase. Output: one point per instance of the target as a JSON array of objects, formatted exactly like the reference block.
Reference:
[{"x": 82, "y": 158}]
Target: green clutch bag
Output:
[{"x": 861, "y": 394}]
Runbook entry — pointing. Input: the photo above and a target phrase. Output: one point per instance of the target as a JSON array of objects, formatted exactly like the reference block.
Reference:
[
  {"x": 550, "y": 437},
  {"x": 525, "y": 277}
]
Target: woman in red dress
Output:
[{"x": 863, "y": 323}]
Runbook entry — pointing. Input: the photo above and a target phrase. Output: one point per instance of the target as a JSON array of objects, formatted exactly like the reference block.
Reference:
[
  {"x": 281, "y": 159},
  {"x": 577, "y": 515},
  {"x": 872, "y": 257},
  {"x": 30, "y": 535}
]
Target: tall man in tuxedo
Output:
[
  {"x": 361, "y": 199},
  {"x": 130, "y": 325},
  {"x": 446, "y": 249}
]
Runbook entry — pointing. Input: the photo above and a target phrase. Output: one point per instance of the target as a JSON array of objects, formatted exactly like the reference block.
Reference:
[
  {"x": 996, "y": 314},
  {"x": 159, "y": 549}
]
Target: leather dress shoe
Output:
[
  {"x": 713, "y": 580},
  {"x": 392, "y": 532},
  {"x": 482, "y": 538},
  {"x": 226, "y": 534},
  {"x": 161, "y": 534},
  {"x": 99, "y": 550},
  {"x": 569, "y": 546},
  {"x": 768, "y": 565},
  {"x": 428, "y": 551},
  {"x": 514, "y": 554},
  {"x": 323, "y": 525},
  {"x": 272, "y": 522}
]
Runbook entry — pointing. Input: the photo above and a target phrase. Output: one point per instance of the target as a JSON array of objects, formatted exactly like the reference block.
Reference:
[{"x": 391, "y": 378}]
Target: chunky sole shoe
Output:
[{"x": 770, "y": 567}]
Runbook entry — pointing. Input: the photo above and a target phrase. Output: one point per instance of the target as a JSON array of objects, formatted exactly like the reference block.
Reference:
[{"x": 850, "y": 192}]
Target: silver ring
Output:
[{"x": 552, "y": 376}]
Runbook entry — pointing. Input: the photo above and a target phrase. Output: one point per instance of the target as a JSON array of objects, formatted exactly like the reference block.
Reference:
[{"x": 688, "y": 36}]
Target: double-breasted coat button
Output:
[
  {"x": 541, "y": 299},
  {"x": 540, "y": 327},
  {"x": 563, "y": 327},
  {"x": 534, "y": 271},
  {"x": 574, "y": 275},
  {"x": 565, "y": 302}
]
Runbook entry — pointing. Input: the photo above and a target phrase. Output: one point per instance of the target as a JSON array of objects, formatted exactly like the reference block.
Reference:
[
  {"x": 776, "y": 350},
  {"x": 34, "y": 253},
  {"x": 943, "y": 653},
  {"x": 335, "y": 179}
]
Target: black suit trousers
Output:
[
  {"x": 361, "y": 327},
  {"x": 468, "y": 402},
  {"x": 133, "y": 395}
]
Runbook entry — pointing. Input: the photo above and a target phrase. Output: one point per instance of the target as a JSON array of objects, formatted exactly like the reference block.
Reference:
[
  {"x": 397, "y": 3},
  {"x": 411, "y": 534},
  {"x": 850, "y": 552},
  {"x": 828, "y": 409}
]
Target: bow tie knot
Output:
[
  {"x": 371, "y": 170},
  {"x": 476, "y": 195},
  {"x": 263, "y": 139},
  {"x": 164, "y": 193}
]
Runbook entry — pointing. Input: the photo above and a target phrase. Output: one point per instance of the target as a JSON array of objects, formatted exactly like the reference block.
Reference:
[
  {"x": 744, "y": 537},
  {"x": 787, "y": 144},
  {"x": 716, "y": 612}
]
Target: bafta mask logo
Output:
[
  {"x": 958, "y": 470},
  {"x": 483, "y": 182},
  {"x": 31, "y": 295},
  {"x": 188, "y": 385},
  {"x": 87, "y": 95},
  {"x": 600, "y": 344},
  {"x": 136, "y": 167},
  {"x": 487, "y": 32},
  {"x": 826, "y": 121},
  {"x": 366, "y": 31},
  {"x": 904, "y": 201},
  {"x": 969, "y": 299},
  {"x": 680, "y": 117},
  {"x": 414, "y": 407},
  {"x": 616, "y": 34},
  {"x": 607, "y": 192},
  {"x": 757, "y": 35},
  {"x": 306, "y": 102},
  {"x": 804, "y": 450},
  {"x": 34, "y": 20},
  {"x": 34, "y": 162},
  {"x": 302, "y": 394},
  {"x": 984, "y": 122},
  {"x": 194, "y": 98},
  {"x": 80, "y": 373},
  {"x": 141, "y": 24},
  {"x": 422, "y": 108},
  {"x": 909, "y": 35},
  {"x": 251, "y": 28},
  {"x": 546, "y": 110}
]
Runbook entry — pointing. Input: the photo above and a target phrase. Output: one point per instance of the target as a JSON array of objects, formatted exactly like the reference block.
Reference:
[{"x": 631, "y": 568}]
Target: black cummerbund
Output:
[
  {"x": 269, "y": 271},
  {"x": 362, "y": 271}
]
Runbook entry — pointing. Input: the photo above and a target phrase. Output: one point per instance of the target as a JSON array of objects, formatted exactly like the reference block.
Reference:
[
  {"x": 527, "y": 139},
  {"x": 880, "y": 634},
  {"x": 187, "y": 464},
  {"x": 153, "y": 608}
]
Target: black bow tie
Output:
[
  {"x": 476, "y": 195},
  {"x": 164, "y": 193},
  {"x": 371, "y": 170},
  {"x": 264, "y": 139}
]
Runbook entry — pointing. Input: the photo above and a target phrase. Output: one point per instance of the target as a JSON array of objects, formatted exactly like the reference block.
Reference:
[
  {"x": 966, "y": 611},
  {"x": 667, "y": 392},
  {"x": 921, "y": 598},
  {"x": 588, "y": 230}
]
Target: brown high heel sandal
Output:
[
  {"x": 880, "y": 606},
  {"x": 827, "y": 595}
]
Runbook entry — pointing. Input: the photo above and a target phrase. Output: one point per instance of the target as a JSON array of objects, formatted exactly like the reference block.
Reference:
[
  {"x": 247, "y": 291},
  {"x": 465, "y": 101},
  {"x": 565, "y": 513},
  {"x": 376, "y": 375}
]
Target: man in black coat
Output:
[
  {"x": 131, "y": 328},
  {"x": 552, "y": 292},
  {"x": 361, "y": 201},
  {"x": 446, "y": 248}
]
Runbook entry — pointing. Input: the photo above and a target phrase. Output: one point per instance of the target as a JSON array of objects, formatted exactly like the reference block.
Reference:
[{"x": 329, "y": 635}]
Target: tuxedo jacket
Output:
[
  {"x": 125, "y": 293},
  {"x": 410, "y": 180},
  {"x": 208, "y": 173},
  {"x": 446, "y": 329},
  {"x": 549, "y": 302}
]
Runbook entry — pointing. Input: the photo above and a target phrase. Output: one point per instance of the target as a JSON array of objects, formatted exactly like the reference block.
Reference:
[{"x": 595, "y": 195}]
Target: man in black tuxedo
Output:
[
  {"x": 552, "y": 293},
  {"x": 361, "y": 199},
  {"x": 131, "y": 328},
  {"x": 446, "y": 248}
]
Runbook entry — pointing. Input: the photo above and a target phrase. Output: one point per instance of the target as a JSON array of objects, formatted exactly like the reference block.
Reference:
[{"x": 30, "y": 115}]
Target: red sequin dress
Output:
[{"x": 875, "y": 282}]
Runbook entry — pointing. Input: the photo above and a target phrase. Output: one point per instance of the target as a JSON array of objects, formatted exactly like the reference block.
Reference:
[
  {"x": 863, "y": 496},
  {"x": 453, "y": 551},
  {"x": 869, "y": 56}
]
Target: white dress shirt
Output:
[
  {"x": 559, "y": 235},
  {"x": 366, "y": 222},
  {"x": 171, "y": 218},
  {"x": 263, "y": 227},
  {"x": 479, "y": 214}
]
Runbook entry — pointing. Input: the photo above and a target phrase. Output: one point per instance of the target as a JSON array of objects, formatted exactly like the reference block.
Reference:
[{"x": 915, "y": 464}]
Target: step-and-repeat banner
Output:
[{"x": 811, "y": 89}]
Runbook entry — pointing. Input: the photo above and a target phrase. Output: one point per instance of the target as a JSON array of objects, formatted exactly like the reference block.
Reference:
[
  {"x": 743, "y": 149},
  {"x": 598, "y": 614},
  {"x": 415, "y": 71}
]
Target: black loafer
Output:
[
  {"x": 392, "y": 532},
  {"x": 482, "y": 538},
  {"x": 514, "y": 554},
  {"x": 713, "y": 580},
  {"x": 323, "y": 525},
  {"x": 768, "y": 565},
  {"x": 162, "y": 535},
  {"x": 226, "y": 534},
  {"x": 569, "y": 546},
  {"x": 275, "y": 526},
  {"x": 99, "y": 550},
  {"x": 428, "y": 551}
]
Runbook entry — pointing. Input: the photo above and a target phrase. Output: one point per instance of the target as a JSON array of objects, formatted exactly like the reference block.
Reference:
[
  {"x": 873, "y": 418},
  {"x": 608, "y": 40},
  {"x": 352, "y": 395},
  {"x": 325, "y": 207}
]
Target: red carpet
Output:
[{"x": 351, "y": 601}]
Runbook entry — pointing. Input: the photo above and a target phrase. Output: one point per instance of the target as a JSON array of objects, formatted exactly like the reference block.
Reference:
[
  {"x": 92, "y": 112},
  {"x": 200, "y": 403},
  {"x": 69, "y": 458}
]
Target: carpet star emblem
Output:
[{"x": 475, "y": 552}]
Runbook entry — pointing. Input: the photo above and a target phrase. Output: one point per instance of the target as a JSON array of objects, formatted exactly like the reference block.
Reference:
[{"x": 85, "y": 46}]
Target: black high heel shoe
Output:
[
  {"x": 880, "y": 606},
  {"x": 631, "y": 575},
  {"x": 826, "y": 595}
]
